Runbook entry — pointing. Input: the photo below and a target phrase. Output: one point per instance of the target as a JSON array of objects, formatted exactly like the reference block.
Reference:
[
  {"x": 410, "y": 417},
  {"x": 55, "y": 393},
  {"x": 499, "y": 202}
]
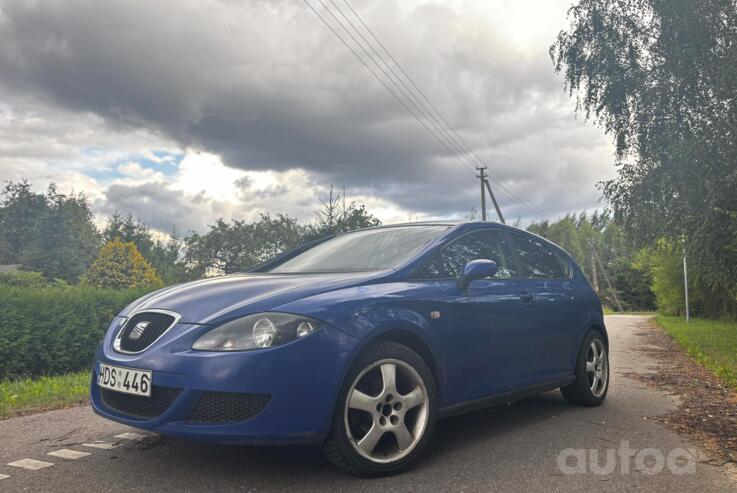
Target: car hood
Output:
[{"x": 210, "y": 301}]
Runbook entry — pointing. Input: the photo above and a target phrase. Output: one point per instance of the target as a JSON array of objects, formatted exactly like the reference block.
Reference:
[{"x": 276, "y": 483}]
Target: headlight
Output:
[{"x": 256, "y": 331}]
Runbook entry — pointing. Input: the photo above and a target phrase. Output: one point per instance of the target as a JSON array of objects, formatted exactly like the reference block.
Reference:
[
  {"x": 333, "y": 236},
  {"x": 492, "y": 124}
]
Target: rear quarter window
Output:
[{"x": 538, "y": 260}]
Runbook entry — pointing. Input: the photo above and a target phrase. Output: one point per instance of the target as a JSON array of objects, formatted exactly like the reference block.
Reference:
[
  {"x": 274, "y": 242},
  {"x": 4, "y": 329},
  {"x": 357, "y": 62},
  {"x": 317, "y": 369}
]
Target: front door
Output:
[{"x": 489, "y": 334}]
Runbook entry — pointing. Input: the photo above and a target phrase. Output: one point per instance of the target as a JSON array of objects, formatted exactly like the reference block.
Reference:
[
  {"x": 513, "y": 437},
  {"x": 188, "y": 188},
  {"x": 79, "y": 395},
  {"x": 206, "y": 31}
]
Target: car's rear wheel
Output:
[
  {"x": 385, "y": 414},
  {"x": 592, "y": 372}
]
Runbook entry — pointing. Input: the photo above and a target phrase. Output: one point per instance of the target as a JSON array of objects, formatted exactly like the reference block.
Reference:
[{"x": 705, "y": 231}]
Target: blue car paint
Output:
[
  {"x": 487, "y": 340},
  {"x": 215, "y": 300}
]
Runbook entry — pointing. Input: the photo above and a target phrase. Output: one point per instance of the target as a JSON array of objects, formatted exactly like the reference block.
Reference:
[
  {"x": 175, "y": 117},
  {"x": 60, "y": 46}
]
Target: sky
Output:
[{"x": 182, "y": 112}]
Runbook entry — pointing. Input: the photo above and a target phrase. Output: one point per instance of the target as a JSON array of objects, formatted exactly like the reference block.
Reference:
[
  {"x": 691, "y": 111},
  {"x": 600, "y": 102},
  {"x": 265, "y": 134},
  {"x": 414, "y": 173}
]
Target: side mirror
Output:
[{"x": 475, "y": 270}]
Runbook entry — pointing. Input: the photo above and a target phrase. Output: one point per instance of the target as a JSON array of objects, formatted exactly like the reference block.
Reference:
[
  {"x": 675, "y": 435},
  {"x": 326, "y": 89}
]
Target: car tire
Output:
[
  {"x": 591, "y": 372},
  {"x": 369, "y": 402}
]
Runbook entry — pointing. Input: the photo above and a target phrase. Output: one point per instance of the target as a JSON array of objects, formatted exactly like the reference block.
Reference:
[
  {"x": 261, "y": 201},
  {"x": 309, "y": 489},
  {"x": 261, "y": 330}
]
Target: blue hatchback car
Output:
[{"x": 358, "y": 343}]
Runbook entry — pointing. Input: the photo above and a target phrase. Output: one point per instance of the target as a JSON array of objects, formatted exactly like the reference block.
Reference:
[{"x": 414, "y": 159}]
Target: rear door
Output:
[
  {"x": 489, "y": 334},
  {"x": 553, "y": 308}
]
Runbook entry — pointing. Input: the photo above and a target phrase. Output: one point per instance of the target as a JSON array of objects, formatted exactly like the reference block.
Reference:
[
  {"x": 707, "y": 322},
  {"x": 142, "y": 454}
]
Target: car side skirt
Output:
[{"x": 504, "y": 397}]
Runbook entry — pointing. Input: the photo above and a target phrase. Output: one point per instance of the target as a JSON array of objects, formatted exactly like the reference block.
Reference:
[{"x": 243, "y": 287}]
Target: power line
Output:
[
  {"x": 396, "y": 80},
  {"x": 406, "y": 91},
  {"x": 373, "y": 72},
  {"x": 440, "y": 129},
  {"x": 455, "y": 135},
  {"x": 416, "y": 101}
]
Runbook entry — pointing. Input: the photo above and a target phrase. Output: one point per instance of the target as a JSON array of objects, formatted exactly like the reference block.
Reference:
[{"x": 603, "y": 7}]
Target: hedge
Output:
[{"x": 54, "y": 330}]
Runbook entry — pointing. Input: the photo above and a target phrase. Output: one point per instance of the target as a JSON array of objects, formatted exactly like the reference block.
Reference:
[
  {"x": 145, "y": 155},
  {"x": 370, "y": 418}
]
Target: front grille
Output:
[
  {"x": 140, "y": 406},
  {"x": 143, "y": 329},
  {"x": 227, "y": 407}
]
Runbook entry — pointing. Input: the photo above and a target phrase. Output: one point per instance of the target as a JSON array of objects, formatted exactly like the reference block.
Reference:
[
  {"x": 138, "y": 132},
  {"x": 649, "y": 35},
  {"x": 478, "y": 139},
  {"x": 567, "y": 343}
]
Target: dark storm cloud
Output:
[
  {"x": 267, "y": 87},
  {"x": 164, "y": 209}
]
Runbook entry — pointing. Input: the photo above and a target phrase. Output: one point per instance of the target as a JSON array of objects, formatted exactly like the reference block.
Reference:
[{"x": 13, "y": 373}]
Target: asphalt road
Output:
[{"x": 509, "y": 448}]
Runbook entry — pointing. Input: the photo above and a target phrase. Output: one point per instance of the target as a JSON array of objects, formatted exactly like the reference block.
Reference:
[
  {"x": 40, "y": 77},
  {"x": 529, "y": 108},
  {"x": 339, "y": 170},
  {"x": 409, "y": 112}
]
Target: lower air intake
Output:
[
  {"x": 227, "y": 407},
  {"x": 139, "y": 406}
]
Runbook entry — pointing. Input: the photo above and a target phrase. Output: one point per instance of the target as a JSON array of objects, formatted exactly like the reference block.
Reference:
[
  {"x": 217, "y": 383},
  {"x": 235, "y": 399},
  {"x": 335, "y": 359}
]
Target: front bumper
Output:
[{"x": 301, "y": 378}]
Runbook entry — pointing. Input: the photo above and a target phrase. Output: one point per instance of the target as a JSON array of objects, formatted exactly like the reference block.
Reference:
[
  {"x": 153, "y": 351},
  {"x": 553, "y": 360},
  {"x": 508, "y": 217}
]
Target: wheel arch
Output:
[
  {"x": 411, "y": 337},
  {"x": 594, "y": 325},
  {"x": 601, "y": 330},
  {"x": 416, "y": 343}
]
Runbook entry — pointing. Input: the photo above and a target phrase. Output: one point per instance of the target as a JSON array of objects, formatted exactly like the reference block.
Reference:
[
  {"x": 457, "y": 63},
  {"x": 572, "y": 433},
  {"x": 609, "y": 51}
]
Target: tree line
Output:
[
  {"x": 54, "y": 234},
  {"x": 608, "y": 257}
]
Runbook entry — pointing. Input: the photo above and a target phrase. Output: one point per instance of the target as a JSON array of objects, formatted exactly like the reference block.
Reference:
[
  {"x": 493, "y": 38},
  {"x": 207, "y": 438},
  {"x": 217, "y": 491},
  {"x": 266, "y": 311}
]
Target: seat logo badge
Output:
[
  {"x": 137, "y": 331},
  {"x": 435, "y": 314}
]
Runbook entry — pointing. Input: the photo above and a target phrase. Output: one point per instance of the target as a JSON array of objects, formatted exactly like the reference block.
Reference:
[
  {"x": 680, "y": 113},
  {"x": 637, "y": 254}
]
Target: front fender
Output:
[{"x": 368, "y": 313}]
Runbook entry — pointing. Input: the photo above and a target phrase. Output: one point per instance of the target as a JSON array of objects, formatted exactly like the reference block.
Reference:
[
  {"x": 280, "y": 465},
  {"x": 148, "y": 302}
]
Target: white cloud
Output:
[
  {"x": 167, "y": 159},
  {"x": 137, "y": 173},
  {"x": 205, "y": 173}
]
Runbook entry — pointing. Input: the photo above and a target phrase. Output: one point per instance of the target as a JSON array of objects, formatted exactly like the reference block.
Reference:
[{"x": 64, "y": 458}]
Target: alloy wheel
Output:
[
  {"x": 597, "y": 367},
  {"x": 386, "y": 411}
]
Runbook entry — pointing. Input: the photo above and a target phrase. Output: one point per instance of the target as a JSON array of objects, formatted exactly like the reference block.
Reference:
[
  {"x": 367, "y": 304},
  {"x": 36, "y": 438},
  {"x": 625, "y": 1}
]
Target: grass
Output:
[
  {"x": 713, "y": 343},
  {"x": 44, "y": 393}
]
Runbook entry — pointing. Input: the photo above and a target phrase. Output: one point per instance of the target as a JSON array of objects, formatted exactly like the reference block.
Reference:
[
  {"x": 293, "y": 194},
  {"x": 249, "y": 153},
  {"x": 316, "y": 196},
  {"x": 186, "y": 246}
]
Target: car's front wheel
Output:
[{"x": 386, "y": 412}]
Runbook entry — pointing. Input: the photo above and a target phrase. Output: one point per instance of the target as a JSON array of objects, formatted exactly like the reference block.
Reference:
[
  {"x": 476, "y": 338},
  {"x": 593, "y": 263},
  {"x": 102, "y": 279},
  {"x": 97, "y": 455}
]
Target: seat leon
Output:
[{"x": 358, "y": 343}]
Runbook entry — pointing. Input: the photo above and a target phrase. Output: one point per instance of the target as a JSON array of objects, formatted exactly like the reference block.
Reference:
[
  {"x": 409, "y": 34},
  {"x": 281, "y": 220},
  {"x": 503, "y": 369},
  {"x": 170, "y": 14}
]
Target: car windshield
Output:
[{"x": 367, "y": 250}]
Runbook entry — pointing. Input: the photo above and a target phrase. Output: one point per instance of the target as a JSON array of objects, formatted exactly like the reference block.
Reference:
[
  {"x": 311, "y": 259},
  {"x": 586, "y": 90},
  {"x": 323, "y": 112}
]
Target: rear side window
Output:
[
  {"x": 488, "y": 244},
  {"x": 538, "y": 260}
]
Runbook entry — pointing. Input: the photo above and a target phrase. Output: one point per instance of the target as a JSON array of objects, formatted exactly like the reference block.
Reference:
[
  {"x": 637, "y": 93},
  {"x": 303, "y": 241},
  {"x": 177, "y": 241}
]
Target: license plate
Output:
[{"x": 126, "y": 380}]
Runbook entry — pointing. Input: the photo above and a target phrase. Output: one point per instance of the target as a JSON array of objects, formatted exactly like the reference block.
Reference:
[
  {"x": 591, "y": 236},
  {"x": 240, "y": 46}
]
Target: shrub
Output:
[
  {"x": 664, "y": 262},
  {"x": 54, "y": 330},
  {"x": 121, "y": 265},
  {"x": 23, "y": 278}
]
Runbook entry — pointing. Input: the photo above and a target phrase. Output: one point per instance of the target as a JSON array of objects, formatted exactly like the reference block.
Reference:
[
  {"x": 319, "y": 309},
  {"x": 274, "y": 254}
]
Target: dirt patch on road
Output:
[{"x": 708, "y": 410}]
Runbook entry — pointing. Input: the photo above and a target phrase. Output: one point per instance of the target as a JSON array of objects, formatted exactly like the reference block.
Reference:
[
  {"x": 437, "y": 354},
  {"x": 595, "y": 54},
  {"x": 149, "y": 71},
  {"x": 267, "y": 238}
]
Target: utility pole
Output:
[
  {"x": 685, "y": 284},
  {"x": 606, "y": 278},
  {"x": 343, "y": 200},
  {"x": 482, "y": 176},
  {"x": 594, "y": 277},
  {"x": 493, "y": 200},
  {"x": 485, "y": 184}
]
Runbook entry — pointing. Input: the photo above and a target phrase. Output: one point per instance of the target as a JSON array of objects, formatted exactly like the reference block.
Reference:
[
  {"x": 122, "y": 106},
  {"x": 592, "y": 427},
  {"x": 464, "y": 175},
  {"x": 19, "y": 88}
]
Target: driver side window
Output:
[{"x": 487, "y": 244}]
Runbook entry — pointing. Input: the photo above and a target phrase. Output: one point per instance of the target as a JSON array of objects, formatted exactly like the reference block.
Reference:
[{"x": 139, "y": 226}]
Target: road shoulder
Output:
[{"x": 707, "y": 409}]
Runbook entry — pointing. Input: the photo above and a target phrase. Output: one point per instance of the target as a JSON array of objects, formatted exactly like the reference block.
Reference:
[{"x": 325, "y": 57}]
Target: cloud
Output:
[
  {"x": 137, "y": 172},
  {"x": 203, "y": 189},
  {"x": 263, "y": 89}
]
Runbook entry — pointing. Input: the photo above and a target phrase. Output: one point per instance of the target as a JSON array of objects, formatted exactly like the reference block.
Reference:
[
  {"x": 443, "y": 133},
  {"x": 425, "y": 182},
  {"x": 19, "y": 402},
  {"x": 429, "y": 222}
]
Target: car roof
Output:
[
  {"x": 470, "y": 225},
  {"x": 450, "y": 223}
]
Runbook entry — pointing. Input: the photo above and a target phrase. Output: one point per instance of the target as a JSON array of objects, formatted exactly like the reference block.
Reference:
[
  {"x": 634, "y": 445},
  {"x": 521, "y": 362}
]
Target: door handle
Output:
[{"x": 526, "y": 296}]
